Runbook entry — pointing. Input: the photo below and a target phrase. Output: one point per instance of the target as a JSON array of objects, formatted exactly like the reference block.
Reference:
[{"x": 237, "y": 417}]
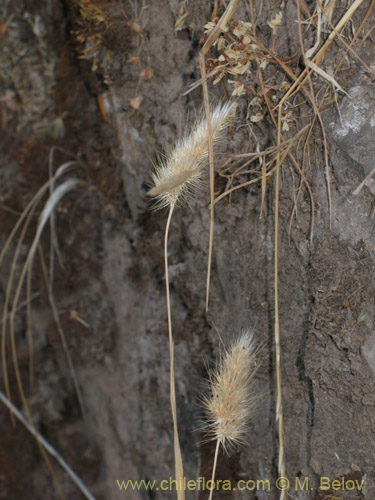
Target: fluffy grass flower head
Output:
[
  {"x": 181, "y": 171},
  {"x": 231, "y": 400}
]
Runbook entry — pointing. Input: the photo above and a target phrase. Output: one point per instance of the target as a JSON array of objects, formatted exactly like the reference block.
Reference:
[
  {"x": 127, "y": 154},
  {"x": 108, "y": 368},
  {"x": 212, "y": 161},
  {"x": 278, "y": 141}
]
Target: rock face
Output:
[
  {"x": 110, "y": 293},
  {"x": 354, "y": 129}
]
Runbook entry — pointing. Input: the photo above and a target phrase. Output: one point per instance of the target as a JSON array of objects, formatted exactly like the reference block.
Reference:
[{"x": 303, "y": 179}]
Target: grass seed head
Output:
[
  {"x": 181, "y": 171},
  {"x": 231, "y": 400}
]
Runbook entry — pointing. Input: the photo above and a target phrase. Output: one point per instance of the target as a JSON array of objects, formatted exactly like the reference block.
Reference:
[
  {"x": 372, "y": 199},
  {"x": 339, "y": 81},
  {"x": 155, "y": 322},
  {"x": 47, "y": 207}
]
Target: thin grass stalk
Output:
[
  {"x": 349, "y": 48},
  {"x": 47, "y": 447},
  {"x": 320, "y": 119},
  {"x": 214, "y": 468},
  {"x": 67, "y": 186},
  {"x": 343, "y": 58},
  {"x": 53, "y": 237},
  {"x": 209, "y": 42},
  {"x": 212, "y": 175},
  {"x": 264, "y": 163},
  {"x": 60, "y": 171},
  {"x": 179, "y": 470},
  {"x": 60, "y": 191},
  {"x": 6, "y": 315},
  {"x": 51, "y": 203},
  {"x": 174, "y": 179},
  {"x": 279, "y": 397},
  {"x": 252, "y": 16},
  {"x": 299, "y": 82},
  {"x": 363, "y": 183},
  {"x": 294, "y": 89},
  {"x": 305, "y": 147},
  {"x": 303, "y": 178},
  {"x": 29, "y": 329},
  {"x": 22, "y": 305},
  {"x": 31, "y": 427},
  {"x": 60, "y": 330},
  {"x": 336, "y": 30},
  {"x": 26, "y": 214},
  {"x": 258, "y": 179}
]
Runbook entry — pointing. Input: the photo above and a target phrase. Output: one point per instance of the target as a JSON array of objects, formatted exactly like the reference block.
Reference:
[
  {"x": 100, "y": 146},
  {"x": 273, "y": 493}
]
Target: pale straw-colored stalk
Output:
[{"x": 179, "y": 175}]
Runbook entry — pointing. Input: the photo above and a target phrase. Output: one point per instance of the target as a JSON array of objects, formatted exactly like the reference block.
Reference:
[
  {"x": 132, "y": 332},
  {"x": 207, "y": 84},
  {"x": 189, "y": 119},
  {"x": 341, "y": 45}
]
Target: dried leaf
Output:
[
  {"x": 239, "y": 69},
  {"x": 219, "y": 77},
  {"x": 221, "y": 43},
  {"x": 284, "y": 86},
  {"x": 104, "y": 105},
  {"x": 324, "y": 74},
  {"x": 136, "y": 102},
  {"x": 242, "y": 28},
  {"x": 210, "y": 26},
  {"x": 285, "y": 127},
  {"x": 239, "y": 90},
  {"x": 275, "y": 23},
  {"x": 233, "y": 54},
  {"x": 3, "y": 28},
  {"x": 135, "y": 26},
  {"x": 255, "y": 101},
  {"x": 134, "y": 61},
  {"x": 181, "y": 17},
  {"x": 288, "y": 118},
  {"x": 146, "y": 74},
  {"x": 258, "y": 117},
  {"x": 10, "y": 100}
]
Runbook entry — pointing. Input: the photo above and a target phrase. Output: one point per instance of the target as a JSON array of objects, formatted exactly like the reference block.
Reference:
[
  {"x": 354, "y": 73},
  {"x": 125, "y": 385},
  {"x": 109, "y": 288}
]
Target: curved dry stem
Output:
[
  {"x": 49, "y": 207},
  {"x": 29, "y": 328},
  {"x": 214, "y": 468},
  {"x": 299, "y": 82},
  {"x": 303, "y": 178},
  {"x": 343, "y": 58},
  {"x": 61, "y": 332},
  {"x": 45, "y": 444},
  {"x": 279, "y": 398},
  {"x": 26, "y": 214},
  {"x": 268, "y": 173},
  {"x": 179, "y": 470},
  {"x": 211, "y": 169},
  {"x": 201, "y": 57},
  {"x": 301, "y": 185},
  {"x": 60, "y": 171},
  {"x": 67, "y": 186},
  {"x": 364, "y": 182},
  {"x": 30, "y": 208},
  {"x": 319, "y": 116}
]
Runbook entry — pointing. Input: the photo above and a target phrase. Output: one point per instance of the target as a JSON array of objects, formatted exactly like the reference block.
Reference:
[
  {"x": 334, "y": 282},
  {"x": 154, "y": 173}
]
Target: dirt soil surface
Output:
[{"x": 102, "y": 83}]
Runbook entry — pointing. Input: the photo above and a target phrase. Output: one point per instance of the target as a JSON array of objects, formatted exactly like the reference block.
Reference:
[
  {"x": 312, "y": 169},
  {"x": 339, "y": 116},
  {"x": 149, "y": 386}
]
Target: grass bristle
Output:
[
  {"x": 181, "y": 172},
  {"x": 232, "y": 401}
]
